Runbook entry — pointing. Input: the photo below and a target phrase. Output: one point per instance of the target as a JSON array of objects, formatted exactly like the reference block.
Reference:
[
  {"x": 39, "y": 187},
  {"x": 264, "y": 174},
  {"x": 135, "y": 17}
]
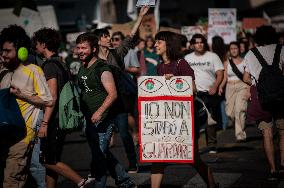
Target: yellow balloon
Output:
[{"x": 23, "y": 54}]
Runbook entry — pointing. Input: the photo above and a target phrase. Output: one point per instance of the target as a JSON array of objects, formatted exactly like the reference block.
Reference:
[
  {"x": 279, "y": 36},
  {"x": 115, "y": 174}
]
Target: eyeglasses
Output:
[{"x": 115, "y": 39}]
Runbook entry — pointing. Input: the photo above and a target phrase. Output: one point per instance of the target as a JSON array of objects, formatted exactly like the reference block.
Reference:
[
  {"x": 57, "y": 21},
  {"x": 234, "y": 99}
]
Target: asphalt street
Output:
[{"x": 235, "y": 165}]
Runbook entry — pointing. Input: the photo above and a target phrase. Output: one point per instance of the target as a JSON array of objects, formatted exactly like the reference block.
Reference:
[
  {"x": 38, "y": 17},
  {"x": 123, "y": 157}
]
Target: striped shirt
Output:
[{"x": 31, "y": 81}]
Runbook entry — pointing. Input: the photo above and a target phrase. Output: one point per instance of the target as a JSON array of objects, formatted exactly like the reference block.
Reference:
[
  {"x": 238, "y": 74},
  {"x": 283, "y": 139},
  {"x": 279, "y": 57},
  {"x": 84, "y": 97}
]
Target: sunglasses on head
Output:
[{"x": 115, "y": 39}]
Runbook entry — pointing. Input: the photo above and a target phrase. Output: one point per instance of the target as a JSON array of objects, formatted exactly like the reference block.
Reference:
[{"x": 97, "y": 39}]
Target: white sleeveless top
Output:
[{"x": 231, "y": 75}]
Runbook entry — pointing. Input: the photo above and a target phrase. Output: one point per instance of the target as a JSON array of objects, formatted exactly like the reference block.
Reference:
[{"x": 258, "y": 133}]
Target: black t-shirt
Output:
[{"x": 51, "y": 70}]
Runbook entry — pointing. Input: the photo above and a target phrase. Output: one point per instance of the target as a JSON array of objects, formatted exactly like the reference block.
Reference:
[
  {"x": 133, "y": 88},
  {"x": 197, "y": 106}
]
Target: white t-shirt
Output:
[
  {"x": 205, "y": 67},
  {"x": 131, "y": 59},
  {"x": 231, "y": 75},
  {"x": 254, "y": 67}
]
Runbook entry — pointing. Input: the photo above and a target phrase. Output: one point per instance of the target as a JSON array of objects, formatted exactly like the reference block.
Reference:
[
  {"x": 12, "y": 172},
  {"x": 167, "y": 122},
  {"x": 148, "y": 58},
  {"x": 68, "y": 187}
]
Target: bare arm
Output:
[
  {"x": 127, "y": 43},
  {"x": 32, "y": 99},
  {"x": 225, "y": 78},
  {"x": 133, "y": 70},
  {"x": 246, "y": 78},
  {"x": 219, "y": 78},
  {"x": 52, "y": 85},
  {"x": 109, "y": 85},
  {"x": 142, "y": 13}
]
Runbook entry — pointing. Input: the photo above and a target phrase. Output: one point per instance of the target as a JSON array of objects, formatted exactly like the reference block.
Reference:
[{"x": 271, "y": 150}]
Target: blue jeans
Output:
[
  {"x": 121, "y": 121},
  {"x": 98, "y": 137},
  {"x": 224, "y": 115},
  {"x": 37, "y": 169}
]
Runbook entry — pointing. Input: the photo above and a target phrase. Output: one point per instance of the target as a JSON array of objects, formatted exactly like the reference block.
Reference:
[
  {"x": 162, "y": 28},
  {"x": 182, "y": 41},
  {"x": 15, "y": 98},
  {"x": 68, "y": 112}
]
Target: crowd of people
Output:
[{"x": 226, "y": 80}]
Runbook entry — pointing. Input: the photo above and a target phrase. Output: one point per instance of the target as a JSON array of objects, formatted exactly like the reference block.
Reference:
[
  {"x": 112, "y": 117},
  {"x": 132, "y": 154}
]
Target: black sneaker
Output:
[{"x": 273, "y": 176}]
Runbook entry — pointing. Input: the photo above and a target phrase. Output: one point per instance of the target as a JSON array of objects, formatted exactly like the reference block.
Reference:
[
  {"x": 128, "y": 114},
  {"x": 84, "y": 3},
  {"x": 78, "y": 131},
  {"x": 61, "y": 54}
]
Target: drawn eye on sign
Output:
[
  {"x": 179, "y": 85},
  {"x": 151, "y": 85}
]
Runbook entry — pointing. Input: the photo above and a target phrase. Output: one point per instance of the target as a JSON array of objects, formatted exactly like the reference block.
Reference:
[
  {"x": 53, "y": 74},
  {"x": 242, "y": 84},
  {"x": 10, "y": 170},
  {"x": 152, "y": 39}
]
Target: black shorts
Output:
[
  {"x": 54, "y": 143},
  {"x": 213, "y": 104}
]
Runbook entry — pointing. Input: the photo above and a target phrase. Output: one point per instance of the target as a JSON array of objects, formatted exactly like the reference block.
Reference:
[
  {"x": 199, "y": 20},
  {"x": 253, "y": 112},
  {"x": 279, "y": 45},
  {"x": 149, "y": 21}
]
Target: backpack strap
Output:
[
  {"x": 259, "y": 57},
  {"x": 3, "y": 73},
  {"x": 236, "y": 70},
  {"x": 66, "y": 73},
  {"x": 118, "y": 59},
  {"x": 276, "y": 58}
]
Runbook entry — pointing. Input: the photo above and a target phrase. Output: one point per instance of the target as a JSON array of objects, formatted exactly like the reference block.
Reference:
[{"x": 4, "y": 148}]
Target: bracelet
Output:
[{"x": 45, "y": 122}]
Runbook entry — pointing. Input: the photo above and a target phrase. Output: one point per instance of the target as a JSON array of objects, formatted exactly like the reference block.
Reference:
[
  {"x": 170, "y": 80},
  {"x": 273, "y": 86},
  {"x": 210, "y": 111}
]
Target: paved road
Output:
[{"x": 235, "y": 165}]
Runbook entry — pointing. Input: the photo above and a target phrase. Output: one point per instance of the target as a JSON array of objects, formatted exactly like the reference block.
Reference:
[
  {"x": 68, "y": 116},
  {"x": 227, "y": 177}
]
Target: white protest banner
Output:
[
  {"x": 141, "y": 3},
  {"x": 229, "y": 34},
  {"x": 222, "y": 22},
  {"x": 189, "y": 31},
  {"x": 166, "y": 131},
  {"x": 222, "y": 17}
]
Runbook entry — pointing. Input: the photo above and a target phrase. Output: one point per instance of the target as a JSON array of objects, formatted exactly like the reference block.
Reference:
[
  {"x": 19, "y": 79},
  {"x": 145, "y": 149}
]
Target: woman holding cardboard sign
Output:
[{"x": 169, "y": 48}]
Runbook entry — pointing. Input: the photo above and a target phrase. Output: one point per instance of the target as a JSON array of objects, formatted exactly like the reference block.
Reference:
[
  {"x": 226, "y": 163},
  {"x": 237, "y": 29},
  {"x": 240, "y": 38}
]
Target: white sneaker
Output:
[{"x": 86, "y": 182}]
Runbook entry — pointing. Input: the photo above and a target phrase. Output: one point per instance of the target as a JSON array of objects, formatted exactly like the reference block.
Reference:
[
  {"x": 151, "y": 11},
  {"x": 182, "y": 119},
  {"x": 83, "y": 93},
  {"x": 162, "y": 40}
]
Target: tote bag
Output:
[{"x": 12, "y": 123}]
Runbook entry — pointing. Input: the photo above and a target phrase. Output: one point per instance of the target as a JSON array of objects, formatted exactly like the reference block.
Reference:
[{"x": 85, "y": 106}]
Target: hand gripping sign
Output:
[{"x": 166, "y": 132}]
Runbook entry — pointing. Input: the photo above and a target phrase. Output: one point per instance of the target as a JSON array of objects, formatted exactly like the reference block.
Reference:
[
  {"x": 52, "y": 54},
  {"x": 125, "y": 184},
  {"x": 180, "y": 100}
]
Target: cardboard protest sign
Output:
[
  {"x": 124, "y": 28},
  {"x": 166, "y": 119},
  {"x": 174, "y": 30}
]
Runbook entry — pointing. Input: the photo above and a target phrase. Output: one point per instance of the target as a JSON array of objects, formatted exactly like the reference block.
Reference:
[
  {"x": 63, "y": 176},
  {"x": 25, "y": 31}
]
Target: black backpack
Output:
[
  {"x": 270, "y": 84},
  {"x": 126, "y": 88}
]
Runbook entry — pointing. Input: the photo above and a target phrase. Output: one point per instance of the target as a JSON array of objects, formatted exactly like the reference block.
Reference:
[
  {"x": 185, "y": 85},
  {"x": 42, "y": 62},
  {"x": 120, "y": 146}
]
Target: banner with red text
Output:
[
  {"x": 166, "y": 132},
  {"x": 222, "y": 22}
]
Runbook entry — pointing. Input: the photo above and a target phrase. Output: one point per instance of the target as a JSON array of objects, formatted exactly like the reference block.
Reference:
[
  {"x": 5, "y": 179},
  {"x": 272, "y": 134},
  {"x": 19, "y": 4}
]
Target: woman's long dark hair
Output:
[
  {"x": 219, "y": 47},
  {"x": 173, "y": 44}
]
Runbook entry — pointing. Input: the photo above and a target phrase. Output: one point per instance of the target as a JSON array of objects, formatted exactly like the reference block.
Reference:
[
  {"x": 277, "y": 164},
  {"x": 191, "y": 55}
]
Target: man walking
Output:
[
  {"x": 208, "y": 70},
  {"x": 28, "y": 84},
  {"x": 269, "y": 54}
]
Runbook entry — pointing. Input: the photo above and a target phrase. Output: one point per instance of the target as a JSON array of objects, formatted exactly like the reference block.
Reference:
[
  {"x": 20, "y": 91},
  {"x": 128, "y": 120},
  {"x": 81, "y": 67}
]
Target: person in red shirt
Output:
[{"x": 168, "y": 47}]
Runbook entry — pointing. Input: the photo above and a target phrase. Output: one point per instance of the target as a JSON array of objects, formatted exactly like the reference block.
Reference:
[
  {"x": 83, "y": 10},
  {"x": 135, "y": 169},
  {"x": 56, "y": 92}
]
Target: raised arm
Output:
[
  {"x": 142, "y": 13},
  {"x": 127, "y": 43}
]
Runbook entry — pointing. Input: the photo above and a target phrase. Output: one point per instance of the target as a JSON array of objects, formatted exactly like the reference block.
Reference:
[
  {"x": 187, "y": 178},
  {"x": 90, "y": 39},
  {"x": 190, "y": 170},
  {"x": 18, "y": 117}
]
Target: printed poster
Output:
[
  {"x": 141, "y": 3},
  {"x": 222, "y": 22},
  {"x": 166, "y": 132}
]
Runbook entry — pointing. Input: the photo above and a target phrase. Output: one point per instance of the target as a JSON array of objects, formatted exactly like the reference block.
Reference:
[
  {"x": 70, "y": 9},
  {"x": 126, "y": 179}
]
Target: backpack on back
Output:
[
  {"x": 70, "y": 115},
  {"x": 270, "y": 84},
  {"x": 125, "y": 86}
]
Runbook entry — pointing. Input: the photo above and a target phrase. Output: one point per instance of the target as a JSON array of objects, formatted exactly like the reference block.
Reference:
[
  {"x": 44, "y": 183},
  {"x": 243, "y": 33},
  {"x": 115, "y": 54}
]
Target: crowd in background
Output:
[{"x": 223, "y": 91}]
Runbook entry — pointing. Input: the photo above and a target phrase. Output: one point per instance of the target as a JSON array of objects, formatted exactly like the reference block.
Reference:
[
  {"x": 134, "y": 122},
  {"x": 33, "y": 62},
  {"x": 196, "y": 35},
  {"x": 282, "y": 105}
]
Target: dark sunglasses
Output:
[{"x": 115, "y": 39}]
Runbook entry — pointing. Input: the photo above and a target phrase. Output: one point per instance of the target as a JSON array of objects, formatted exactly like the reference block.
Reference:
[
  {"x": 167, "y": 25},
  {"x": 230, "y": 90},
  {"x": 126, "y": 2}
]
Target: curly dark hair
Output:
[
  {"x": 48, "y": 36},
  {"x": 173, "y": 44},
  {"x": 265, "y": 35},
  {"x": 17, "y": 35}
]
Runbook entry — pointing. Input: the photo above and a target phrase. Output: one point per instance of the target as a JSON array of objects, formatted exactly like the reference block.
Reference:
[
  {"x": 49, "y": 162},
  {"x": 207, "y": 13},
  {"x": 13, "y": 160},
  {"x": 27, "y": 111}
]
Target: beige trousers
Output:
[
  {"x": 16, "y": 170},
  {"x": 236, "y": 106}
]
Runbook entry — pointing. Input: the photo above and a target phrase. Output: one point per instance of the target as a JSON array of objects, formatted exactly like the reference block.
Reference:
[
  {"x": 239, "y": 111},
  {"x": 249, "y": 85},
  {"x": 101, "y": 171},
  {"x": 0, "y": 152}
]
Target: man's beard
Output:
[
  {"x": 12, "y": 64},
  {"x": 89, "y": 58}
]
